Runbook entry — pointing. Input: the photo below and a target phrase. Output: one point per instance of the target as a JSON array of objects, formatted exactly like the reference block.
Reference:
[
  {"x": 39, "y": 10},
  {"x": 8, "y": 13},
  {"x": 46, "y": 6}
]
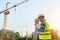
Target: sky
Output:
[{"x": 22, "y": 19}]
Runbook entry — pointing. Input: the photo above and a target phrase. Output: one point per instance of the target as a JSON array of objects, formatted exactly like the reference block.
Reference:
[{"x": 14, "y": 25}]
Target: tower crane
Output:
[{"x": 6, "y": 12}]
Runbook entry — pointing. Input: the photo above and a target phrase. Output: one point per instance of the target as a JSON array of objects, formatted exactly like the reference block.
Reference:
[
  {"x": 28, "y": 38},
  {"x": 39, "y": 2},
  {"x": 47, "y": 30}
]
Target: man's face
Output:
[{"x": 41, "y": 18}]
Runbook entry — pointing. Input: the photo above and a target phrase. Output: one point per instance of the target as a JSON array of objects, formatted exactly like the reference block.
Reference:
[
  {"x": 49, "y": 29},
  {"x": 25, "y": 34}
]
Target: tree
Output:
[
  {"x": 6, "y": 36},
  {"x": 54, "y": 34},
  {"x": 17, "y": 35}
]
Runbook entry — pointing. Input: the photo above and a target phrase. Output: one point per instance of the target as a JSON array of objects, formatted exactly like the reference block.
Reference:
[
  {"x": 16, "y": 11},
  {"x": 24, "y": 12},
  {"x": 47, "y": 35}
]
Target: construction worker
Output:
[{"x": 41, "y": 24}]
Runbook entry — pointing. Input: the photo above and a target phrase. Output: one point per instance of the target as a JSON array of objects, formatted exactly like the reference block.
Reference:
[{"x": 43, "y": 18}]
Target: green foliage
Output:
[
  {"x": 8, "y": 36},
  {"x": 17, "y": 35}
]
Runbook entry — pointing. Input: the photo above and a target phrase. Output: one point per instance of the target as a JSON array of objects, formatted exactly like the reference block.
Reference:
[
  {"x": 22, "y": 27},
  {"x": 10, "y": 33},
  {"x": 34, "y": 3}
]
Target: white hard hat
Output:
[{"x": 40, "y": 15}]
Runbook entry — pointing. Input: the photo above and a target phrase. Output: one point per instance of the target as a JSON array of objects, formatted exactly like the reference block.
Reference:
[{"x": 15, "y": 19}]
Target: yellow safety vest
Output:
[
  {"x": 46, "y": 35},
  {"x": 47, "y": 27}
]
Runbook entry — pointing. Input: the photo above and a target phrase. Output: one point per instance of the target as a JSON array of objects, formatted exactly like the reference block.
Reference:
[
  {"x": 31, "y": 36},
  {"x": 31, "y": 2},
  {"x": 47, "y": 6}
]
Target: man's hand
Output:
[{"x": 36, "y": 21}]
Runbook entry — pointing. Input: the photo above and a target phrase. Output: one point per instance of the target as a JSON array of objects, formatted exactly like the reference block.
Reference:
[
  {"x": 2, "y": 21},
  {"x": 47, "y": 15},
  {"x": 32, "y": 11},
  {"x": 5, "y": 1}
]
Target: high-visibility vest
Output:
[
  {"x": 45, "y": 35},
  {"x": 47, "y": 27}
]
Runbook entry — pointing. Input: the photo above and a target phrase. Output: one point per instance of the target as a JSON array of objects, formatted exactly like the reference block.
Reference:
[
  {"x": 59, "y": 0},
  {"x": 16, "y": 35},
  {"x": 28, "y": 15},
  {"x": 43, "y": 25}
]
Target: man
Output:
[{"x": 41, "y": 24}]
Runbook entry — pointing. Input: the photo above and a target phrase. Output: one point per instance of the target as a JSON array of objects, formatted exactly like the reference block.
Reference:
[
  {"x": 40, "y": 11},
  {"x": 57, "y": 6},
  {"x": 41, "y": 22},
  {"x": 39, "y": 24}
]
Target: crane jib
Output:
[{"x": 13, "y": 6}]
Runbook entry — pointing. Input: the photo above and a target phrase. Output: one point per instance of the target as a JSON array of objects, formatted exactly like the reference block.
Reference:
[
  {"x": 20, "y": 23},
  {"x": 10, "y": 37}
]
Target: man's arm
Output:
[{"x": 36, "y": 22}]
